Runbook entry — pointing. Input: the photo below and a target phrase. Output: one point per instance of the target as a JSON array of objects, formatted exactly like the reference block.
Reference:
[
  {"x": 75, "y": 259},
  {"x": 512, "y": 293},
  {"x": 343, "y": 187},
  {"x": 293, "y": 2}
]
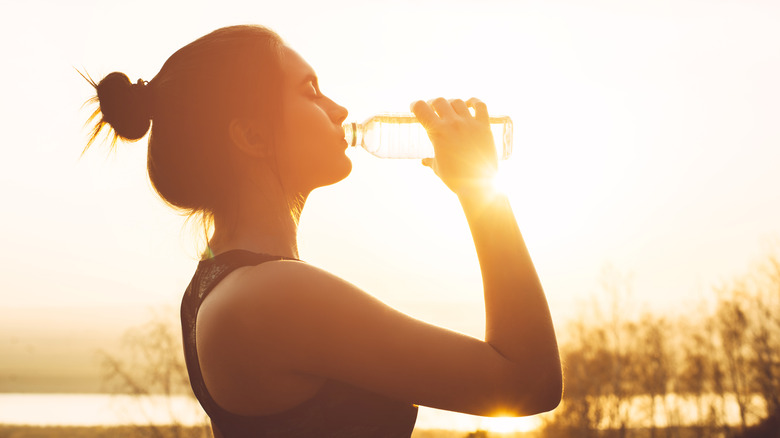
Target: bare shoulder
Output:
[
  {"x": 280, "y": 298},
  {"x": 285, "y": 285},
  {"x": 276, "y": 305},
  {"x": 241, "y": 329}
]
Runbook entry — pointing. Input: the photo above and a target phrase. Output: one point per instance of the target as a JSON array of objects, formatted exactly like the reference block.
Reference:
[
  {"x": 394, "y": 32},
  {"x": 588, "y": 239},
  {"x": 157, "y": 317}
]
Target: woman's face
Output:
[{"x": 311, "y": 145}]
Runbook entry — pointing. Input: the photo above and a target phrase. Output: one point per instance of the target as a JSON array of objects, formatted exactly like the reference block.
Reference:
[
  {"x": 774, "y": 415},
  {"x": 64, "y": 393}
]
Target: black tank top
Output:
[{"x": 337, "y": 410}]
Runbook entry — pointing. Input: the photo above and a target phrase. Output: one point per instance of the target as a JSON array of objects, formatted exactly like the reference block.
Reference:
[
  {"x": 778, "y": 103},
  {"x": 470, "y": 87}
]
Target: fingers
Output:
[
  {"x": 460, "y": 107},
  {"x": 480, "y": 110},
  {"x": 442, "y": 107},
  {"x": 424, "y": 113},
  {"x": 427, "y": 112}
]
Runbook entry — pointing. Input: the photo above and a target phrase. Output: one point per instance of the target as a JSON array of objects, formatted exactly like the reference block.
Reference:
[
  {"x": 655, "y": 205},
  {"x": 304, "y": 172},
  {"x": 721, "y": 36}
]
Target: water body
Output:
[{"x": 114, "y": 410}]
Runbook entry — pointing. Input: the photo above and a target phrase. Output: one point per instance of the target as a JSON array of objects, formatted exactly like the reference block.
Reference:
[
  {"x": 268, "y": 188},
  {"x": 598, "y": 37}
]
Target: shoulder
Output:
[
  {"x": 242, "y": 328},
  {"x": 274, "y": 280},
  {"x": 288, "y": 315},
  {"x": 278, "y": 284},
  {"x": 272, "y": 299}
]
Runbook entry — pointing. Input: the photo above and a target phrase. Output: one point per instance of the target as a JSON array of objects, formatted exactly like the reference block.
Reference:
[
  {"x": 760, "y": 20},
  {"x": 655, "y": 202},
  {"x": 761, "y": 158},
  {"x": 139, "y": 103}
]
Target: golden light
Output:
[
  {"x": 510, "y": 424},
  {"x": 501, "y": 182}
]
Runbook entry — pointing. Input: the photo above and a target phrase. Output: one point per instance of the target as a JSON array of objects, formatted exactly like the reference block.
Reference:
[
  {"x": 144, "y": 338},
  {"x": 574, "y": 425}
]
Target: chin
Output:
[
  {"x": 345, "y": 168},
  {"x": 340, "y": 170}
]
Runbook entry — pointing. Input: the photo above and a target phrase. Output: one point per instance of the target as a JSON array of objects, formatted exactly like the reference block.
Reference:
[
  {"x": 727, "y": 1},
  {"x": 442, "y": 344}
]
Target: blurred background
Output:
[{"x": 644, "y": 176}]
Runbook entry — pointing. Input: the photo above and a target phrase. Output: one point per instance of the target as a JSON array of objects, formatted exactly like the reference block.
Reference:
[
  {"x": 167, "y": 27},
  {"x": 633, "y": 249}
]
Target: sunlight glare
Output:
[
  {"x": 511, "y": 424},
  {"x": 500, "y": 182}
]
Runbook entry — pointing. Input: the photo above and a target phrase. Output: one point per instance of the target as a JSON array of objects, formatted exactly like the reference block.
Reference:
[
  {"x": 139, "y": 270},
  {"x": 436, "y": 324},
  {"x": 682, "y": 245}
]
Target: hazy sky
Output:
[{"x": 646, "y": 138}]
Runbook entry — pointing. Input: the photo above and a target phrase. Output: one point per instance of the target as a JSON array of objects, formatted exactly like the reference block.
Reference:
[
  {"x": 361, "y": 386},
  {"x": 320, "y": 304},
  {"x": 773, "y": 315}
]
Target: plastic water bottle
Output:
[{"x": 402, "y": 136}]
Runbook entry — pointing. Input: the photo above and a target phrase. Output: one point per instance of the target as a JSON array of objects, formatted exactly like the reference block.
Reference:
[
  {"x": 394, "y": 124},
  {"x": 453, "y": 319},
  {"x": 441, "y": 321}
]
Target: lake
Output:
[{"x": 113, "y": 410}]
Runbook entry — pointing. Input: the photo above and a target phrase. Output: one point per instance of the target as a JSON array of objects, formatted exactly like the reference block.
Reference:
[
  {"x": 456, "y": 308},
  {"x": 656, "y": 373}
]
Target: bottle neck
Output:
[{"x": 353, "y": 133}]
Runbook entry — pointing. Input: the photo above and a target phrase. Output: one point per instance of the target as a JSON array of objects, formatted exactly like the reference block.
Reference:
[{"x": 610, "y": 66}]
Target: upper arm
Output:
[{"x": 315, "y": 323}]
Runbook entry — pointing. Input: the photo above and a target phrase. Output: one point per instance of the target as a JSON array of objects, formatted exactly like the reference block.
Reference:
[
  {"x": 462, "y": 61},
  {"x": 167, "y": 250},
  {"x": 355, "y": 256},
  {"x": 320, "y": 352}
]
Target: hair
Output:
[{"x": 233, "y": 72}]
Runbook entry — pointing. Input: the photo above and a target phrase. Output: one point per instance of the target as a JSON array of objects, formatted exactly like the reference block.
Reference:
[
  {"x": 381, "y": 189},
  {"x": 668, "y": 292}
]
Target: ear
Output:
[{"x": 248, "y": 138}]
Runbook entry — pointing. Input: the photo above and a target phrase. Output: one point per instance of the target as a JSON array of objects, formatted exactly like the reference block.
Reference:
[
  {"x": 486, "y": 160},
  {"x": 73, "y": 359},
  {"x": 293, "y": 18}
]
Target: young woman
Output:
[{"x": 241, "y": 134}]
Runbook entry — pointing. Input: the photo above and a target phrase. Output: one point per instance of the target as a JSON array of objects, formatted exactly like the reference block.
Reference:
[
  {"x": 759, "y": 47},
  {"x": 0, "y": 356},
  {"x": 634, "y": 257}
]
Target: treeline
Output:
[{"x": 711, "y": 370}]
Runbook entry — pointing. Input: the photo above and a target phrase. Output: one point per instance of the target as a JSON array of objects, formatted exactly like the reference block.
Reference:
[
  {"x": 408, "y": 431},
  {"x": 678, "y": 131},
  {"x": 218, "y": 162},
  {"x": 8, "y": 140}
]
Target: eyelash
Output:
[{"x": 315, "y": 90}]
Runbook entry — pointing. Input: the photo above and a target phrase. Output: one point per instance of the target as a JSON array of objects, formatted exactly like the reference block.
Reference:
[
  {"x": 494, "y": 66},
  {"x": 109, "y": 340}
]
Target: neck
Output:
[{"x": 263, "y": 224}]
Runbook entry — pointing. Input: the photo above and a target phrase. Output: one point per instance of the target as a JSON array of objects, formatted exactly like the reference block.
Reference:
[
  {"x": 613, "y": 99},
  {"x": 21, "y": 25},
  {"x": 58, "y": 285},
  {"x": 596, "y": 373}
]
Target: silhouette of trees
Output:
[
  {"x": 151, "y": 365},
  {"x": 765, "y": 336},
  {"x": 598, "y": 367},
  {"x": 732, "y": 331},
  {"x": 700, "y": 377},
  {"x": 654, "y": 367},
  {"x": 712, "y": 372}
]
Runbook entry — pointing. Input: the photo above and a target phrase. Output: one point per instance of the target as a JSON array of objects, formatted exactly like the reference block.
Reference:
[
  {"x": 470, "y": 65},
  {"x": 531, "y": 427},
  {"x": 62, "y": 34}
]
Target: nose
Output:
[{"x": 338, "y": 113}]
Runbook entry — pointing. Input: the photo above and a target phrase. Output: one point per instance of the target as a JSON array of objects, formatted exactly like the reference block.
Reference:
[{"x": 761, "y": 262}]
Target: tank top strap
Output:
[{"x": 211, "y": 271}]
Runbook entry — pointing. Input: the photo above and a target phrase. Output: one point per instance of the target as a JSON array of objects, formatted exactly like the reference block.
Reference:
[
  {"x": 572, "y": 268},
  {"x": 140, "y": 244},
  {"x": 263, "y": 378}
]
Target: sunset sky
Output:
[{"x": 647, "y": 141}]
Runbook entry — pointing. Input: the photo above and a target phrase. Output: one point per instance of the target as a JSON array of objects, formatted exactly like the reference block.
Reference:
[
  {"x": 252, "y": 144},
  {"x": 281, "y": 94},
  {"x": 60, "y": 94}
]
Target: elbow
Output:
[
  {"x": 549, "y": 398},
  {"x": 549, "y": 391},
  {"x": 537, "y": 393},
  {"x": 545, "y": 396},
  {"x": 552, "y": 391},
  {"x": 524, "y": 405}
]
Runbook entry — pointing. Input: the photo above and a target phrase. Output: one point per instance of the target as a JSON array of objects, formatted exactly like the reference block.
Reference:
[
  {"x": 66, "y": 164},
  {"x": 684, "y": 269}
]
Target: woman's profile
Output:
[{"x": 240, "y": 136}]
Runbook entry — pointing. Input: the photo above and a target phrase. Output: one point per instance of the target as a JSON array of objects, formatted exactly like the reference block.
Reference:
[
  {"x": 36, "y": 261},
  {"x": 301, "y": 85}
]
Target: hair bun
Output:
[{"x": 124, "y": 105}]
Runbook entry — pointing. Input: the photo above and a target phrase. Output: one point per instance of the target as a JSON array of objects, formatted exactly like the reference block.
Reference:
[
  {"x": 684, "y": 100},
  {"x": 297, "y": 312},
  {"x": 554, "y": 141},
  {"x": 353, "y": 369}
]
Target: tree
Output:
[
  {"x": 699, "y": 374},
  {"x": 151, "y": 363},
  {"x": 653, "y": 373},
  {"x": 731, "y": 324},
  {"x": 766, "y": 335}
]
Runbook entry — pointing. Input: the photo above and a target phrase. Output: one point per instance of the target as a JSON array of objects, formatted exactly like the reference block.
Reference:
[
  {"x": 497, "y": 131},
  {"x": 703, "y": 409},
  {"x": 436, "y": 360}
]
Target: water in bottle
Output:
[{"x": 402, "y": 136}]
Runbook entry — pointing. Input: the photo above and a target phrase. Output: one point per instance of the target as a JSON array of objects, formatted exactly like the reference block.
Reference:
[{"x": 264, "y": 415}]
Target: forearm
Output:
[{"x": 518, "y": 322}]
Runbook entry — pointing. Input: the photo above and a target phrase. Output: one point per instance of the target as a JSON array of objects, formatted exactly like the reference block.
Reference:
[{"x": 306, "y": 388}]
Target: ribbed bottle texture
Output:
[{"x": 402, "y": 136}]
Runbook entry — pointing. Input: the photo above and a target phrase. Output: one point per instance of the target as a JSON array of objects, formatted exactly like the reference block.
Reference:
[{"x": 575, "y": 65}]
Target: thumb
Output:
[{"x": 427, "y": 162}]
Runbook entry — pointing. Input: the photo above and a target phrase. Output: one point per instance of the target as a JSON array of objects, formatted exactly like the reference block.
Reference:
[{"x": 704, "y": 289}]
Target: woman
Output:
[{"x": 277, "y": 347}]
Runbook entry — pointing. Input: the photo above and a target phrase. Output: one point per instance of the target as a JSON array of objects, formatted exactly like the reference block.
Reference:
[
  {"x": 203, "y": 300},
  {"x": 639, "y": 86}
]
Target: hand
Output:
[{"x": 465, "y": 152}]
